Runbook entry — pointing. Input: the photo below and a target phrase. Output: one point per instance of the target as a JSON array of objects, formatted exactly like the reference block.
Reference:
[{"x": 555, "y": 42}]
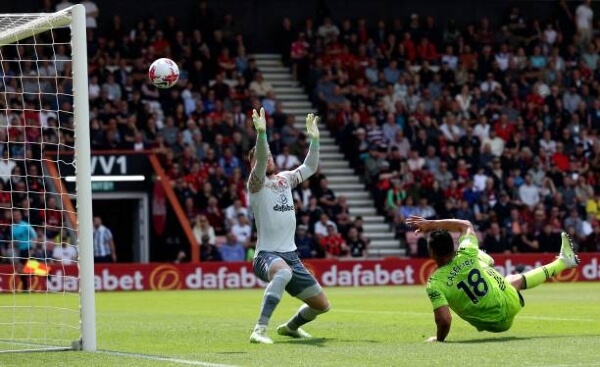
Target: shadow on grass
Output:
[
  {"x": 517, "y": 338},
  {"x": 316, "y": 342},
  {"x": 320, "y": 342},
  {"x": 490, "y": 340}
]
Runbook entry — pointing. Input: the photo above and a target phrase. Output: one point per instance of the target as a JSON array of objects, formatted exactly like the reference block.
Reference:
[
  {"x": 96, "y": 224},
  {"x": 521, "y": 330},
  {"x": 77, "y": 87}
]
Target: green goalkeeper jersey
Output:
[{"x": 474, "y": 290}]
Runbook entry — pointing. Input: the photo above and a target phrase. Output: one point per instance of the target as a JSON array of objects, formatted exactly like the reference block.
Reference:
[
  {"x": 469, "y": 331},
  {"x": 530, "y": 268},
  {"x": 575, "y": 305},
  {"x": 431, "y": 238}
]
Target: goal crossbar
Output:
[{"x": 30, "y": 24}]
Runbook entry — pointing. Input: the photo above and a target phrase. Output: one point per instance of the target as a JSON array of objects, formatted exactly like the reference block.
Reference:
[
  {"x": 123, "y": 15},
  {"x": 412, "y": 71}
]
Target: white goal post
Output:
[{"x": 44, "y": 117}]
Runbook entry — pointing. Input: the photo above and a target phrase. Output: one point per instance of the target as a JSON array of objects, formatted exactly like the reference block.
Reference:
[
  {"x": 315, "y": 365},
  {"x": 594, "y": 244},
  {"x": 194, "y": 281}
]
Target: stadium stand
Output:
[{"x": 495, "y": 123}]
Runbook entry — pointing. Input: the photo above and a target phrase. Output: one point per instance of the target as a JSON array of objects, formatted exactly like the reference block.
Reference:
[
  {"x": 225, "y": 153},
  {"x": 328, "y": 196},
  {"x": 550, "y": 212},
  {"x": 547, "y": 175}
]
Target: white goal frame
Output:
[{"x": 74, "y": 17}]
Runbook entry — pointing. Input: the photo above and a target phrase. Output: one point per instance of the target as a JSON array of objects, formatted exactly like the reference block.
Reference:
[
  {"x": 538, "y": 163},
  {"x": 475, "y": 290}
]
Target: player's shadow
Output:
[
  {"x": 504, "y": 339},
  {"x": 488, "y": 340},
  {"x": 315, "y": 342},
  {"x": 320, "y": 342}
]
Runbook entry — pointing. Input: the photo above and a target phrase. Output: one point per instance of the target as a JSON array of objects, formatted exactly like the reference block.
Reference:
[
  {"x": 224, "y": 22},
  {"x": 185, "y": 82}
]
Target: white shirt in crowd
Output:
[
  {"x": 529, "y": 194},
  {"x": 548, "y": 147},
  {"x": 6, "y": 167},
  {"x": 482, "y": 131},
  {"x": 287, "y": 162},
  {"x": 66, "y": 254},
  {"x": 241, "y": 232},
  {"x": 63, "y": 5},
  {"x": 92, "y": 12},
  {"x": 479, "y": 181},
  {"x": 321, "y": 229},
  {"x": 231, "y": 213},
  {"x": 496, "y": 145},
  {"x": 489, "y": 86},
  {"x": 584, "y": 16}
]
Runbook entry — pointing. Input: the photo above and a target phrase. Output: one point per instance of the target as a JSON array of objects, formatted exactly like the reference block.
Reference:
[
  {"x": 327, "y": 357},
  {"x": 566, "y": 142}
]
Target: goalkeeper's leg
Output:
[
  {"x": 305, "y": 287},
  {"x": 269, "y": 266},
  {"x": 309, "y": 311}
]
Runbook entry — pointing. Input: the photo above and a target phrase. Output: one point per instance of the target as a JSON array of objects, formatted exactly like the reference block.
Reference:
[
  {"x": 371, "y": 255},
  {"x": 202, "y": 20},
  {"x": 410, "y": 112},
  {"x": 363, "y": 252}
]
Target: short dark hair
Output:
[{"x": 441, "y": 243}]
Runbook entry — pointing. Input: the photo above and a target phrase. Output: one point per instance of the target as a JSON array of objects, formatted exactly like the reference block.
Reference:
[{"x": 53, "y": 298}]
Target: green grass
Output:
[{"x": 385, "y": 326}]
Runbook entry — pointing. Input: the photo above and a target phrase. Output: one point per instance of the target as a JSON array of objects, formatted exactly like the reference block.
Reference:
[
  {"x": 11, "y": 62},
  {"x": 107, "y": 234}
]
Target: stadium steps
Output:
[{"x": 342, "y": 179}]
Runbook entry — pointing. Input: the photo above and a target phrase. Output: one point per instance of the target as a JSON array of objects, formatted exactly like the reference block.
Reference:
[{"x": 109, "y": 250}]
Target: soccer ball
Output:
[{"x": 163, "y": 73}]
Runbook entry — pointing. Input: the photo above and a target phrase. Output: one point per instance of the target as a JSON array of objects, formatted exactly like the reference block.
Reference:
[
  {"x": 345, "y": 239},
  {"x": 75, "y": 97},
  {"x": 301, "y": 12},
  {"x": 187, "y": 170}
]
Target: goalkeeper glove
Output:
[
  {"x": 311, "y": 126},
  {"x": 260, "y": 123}
]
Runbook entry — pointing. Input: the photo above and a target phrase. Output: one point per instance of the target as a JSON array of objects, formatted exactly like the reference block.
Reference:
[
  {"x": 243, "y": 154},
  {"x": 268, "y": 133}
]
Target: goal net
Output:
[{"x": 46, "y": 247}]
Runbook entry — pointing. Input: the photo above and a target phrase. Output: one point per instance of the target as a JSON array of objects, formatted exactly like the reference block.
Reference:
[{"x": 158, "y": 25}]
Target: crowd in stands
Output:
[
  {"x": 201, "y": 128},
  {"x": 494, "y": 123}
]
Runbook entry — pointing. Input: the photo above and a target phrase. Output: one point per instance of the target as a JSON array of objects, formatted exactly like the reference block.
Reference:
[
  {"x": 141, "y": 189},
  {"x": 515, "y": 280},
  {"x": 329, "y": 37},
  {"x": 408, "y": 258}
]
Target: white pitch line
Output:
[
  {"x": 164, "y": 359},
  {"x": 545, "y": 318}
]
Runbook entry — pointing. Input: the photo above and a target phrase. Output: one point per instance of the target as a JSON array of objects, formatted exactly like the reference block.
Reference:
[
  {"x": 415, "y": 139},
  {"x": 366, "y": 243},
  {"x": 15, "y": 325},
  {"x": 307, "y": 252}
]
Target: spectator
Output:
[
  {"x": 574, "y": 221},
  {"x": 525, "y": 241},
  {"x": 425, "y": 210},
  {"x": 548, "y": 240},
  {"x": 584, "y": 19},
  {"x": 208, "y": 252},
  {"x": 327, "y": 31},
  {"x": 260, "y": 86},
  {"x": 529, "y": 193},
  {"x": 232, "y": 250},
  {"x": 228, "y": 162},
  {"x": 495, "y": 241},
  {"x": 64, "y": 251},
  {"x": 299, "y": 57},
  {"x": 320, "y": 227},
  {"x": 394, "y": 197},
  {"x": 242, "y": 230},
  {"x": 326, "y": 196},
  {"x": 333, "y": 244},
  {"x": 6, "y": 166},
  {"x": 357, "y": 246},
  {"x": 203, "y": 228},
  {"x": 287, "y": 161},
  {"x": 305, "y": 244},
  {"x": 302, "y": 195},
  {"x": 104, "y": 244},
  {"x": 91, "y": 12},
  {"x": 592, "y": 241},
  {"x": 592, "y": 206}
]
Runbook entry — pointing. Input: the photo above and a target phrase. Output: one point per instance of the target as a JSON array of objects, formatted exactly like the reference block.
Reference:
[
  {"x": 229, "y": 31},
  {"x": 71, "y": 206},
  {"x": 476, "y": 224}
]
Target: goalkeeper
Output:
[
  {"x": 467, "y": 282},
  {"x": 276, "y": 261}
]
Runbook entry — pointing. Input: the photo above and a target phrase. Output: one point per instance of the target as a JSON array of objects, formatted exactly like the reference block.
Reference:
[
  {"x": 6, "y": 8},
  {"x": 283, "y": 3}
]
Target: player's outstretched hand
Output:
[
  {"x": 420, "y": 224},
  {"x": 311, "y": 126},
  {"x": 260, "y": 122}
]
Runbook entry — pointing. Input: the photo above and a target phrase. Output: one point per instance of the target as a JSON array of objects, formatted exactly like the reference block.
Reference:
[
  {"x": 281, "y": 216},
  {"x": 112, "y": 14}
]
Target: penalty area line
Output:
[{"x": 152, "y": 357}]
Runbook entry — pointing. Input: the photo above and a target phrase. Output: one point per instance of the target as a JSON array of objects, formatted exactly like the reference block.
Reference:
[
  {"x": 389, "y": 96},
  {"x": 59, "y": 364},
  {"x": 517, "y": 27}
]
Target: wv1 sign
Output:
[{"x": 109, "y": 164}]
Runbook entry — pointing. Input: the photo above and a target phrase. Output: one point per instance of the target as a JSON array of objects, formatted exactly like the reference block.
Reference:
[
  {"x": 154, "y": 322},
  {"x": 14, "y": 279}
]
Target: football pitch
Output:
[{"x": 376, "y": 326}]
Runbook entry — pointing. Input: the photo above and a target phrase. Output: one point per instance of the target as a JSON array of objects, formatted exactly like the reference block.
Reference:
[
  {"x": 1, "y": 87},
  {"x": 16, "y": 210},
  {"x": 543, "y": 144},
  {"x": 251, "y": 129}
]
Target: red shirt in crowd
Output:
[
  {"x": 504, "y": 131},
  {"x": 333, "y": 244}
]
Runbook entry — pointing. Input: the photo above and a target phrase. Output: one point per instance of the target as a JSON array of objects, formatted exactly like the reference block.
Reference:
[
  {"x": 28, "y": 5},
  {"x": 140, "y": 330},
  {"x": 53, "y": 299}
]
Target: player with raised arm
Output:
[
  {"x": 466, "y": 281},
  {"x": 276, "y": 261}
]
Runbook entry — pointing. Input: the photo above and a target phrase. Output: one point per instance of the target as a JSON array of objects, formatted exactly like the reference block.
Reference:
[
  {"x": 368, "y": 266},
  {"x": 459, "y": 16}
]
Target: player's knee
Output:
[
  {"x": 283, "y": 275},
  {"x": 326, "y": 307},
  {"x": 321, "y": 307}
]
